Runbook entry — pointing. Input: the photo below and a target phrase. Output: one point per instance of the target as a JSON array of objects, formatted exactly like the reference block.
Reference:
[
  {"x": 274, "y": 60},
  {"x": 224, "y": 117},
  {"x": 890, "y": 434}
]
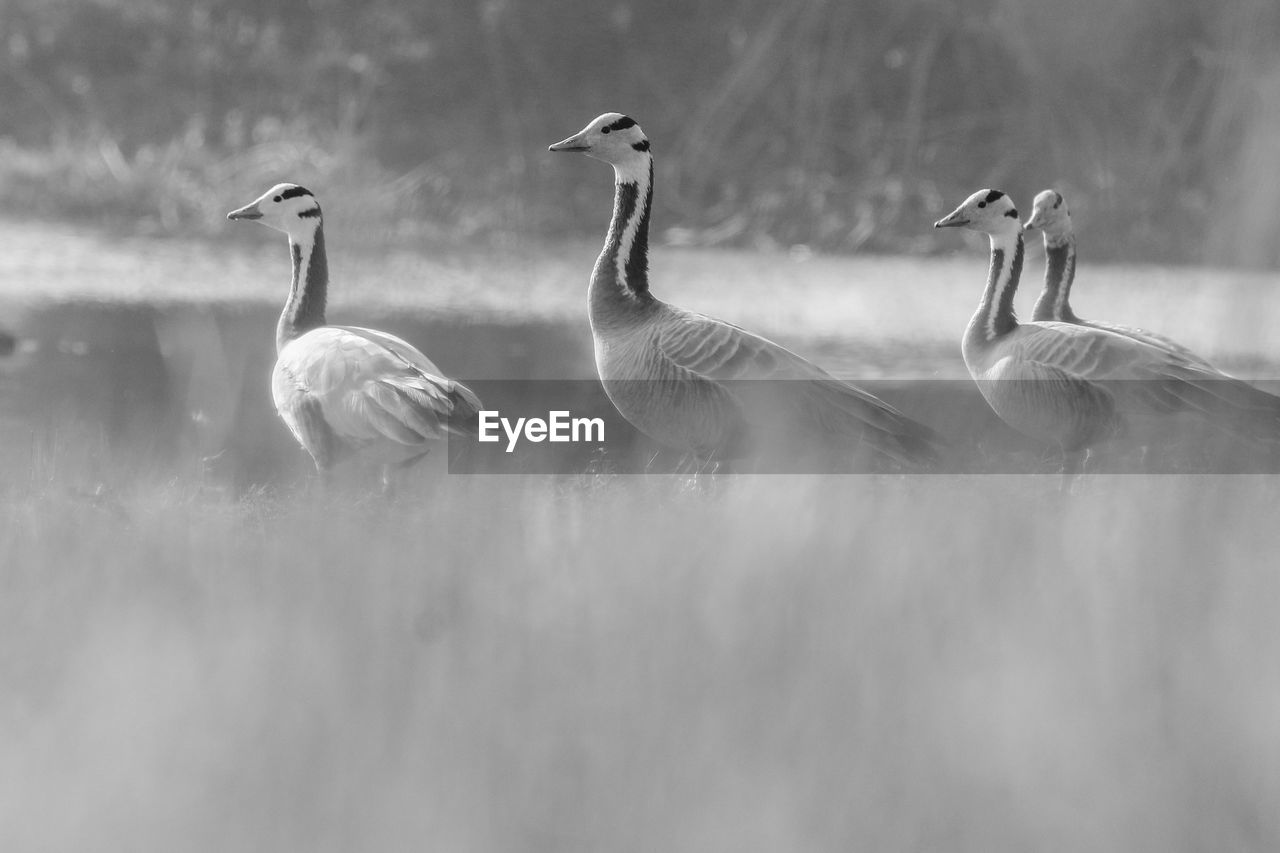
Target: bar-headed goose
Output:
[
  {"x": 1049, "y": 213},
  {"x": 1072, "y": 385},
  {"x": 671, "y": 372},
  {"x": 344, "y": 390}
]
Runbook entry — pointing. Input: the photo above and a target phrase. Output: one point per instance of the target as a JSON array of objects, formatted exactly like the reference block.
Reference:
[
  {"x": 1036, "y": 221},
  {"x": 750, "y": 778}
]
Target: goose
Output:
[
  {"x": 345, "y": 391},
  {"x": 1049, "y": 213},
  {"x": 1077, "y": 386},
  {"x": 672, "y": 373}
]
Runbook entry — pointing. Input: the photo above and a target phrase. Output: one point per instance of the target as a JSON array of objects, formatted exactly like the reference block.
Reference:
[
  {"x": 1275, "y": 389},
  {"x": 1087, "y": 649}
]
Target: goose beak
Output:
[
  {"x": 577, "y": 142},
  {"x": 1036, "y": 221},
  {"x": 249, "y": 211},
  {"x": 954, "y": 219}
]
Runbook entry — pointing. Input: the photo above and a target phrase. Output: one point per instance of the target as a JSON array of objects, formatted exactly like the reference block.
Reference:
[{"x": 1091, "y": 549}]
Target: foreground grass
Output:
[
  {"x": 635, "y": 664},
  {"x": 627, "y": 664}
]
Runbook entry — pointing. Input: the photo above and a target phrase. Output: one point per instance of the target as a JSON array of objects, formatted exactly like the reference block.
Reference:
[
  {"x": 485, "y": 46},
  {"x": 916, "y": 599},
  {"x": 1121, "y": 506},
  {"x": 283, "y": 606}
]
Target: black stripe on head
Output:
[
  {"x": 294, "y": 192},
  {"x": 1058, "y": 200},
  {"x": 310, "y": 212},
  {"x": 620, "y": 124},
  {"x": 642, "y": 145},
  {"x": 993, "y": 195},
  {"x": 1013, "y": 213}
]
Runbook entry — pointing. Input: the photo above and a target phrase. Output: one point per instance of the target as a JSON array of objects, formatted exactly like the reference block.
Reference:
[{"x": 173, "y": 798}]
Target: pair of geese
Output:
[{"x": 345, "y": 391}]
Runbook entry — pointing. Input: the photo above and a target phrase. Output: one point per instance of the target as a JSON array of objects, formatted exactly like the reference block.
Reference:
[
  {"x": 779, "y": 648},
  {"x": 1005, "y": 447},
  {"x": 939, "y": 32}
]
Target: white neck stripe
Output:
[
  {"x": 306, "y": 245},
  {"x": 626, "y": 240},
  {"x": 1007, "y": 248}
]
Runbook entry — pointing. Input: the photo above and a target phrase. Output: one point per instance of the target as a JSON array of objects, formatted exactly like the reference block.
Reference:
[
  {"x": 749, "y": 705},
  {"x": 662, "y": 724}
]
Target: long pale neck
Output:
[
  {"x": 304, "y": 310},
  {"x": 620, "y": 280},
  {"x": 1059, "y": 272},
  {"x": 994, "y": 317}
]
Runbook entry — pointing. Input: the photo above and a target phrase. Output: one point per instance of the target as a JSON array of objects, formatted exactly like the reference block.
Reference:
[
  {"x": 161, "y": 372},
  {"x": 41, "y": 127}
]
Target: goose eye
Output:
[
  {"x": 982, "y": 204},
  {"x": 277, "y": 199},
  {"x": 604, "y": 130}
]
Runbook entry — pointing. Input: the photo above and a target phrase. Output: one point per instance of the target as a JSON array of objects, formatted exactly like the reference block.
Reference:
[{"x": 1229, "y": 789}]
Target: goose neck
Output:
[
  {"x": 1054, "y": 302},
  {"x": 308, "y": 289},
  {"x": 620, "y": 280},
  {"x": 995, "y": 316}
]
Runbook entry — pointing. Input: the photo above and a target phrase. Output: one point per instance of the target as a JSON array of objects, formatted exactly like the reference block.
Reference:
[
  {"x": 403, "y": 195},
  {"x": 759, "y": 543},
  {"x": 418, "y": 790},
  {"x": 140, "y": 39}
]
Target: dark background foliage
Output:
[{"x": 840, "y": 124}]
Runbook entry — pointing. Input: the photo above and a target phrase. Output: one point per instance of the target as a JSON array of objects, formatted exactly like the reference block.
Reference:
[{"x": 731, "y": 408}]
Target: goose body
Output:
[
  {"x": 1074, "y": 385},
  {"x": 346, "y": 391},
  {"x": 1049, "y": 213},
  {"x": 691, "y": 382}
]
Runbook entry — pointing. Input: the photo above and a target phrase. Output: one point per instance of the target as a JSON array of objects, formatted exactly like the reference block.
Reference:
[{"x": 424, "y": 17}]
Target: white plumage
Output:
[
  {"x": 340, "y": 388},
  {"x": 345, "y": 390}
]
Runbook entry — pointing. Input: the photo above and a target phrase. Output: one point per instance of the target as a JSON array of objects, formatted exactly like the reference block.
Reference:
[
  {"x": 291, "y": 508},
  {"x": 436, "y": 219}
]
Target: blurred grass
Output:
[
  {"x": 495, "y": 664},
  {"x": 595, "y": 663}
]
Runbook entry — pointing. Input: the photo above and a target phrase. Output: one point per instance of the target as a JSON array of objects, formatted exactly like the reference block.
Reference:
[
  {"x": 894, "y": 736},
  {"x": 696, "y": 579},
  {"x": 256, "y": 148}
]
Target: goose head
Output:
[
  {"x": 614, "y": 138},
  {"x": 1049, "y": 212},
  {"x": 988, "y": 211},
  {"x": 285, "y": 207}
]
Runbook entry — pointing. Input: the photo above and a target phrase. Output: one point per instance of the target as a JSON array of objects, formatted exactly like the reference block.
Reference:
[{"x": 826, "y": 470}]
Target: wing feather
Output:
[
  {"x": 1154, "y": 339},
  {"x": 401, "y": 348},
  {"x": 1146, "y": 375},
  {"x": 368, "y": 387},
  {"x": 714, "y": 350},
  {"x": 718, "y": 350}
]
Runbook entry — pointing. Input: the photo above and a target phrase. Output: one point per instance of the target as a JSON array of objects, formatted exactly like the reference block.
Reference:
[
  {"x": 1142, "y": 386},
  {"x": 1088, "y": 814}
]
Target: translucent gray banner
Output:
[{"x": 794, "y": 427}]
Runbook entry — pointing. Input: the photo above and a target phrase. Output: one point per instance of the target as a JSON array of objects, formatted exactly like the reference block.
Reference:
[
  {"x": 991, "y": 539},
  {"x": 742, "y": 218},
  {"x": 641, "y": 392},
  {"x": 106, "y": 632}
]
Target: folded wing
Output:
[
  {"x": 719, "y": 351},
  {"x": 1150, "y": 376},
  {"x": 1154, "y": 339},
  {"x": 352, "y": 387}
]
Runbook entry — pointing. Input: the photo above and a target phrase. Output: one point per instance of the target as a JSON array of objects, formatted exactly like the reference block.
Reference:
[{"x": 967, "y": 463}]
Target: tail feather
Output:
[
  {"x": 464, "y": 417},
  {"x": 1230, "y": 404},
  {"x": 855, "y": 413},
  {"x": 393, "y": 412}
]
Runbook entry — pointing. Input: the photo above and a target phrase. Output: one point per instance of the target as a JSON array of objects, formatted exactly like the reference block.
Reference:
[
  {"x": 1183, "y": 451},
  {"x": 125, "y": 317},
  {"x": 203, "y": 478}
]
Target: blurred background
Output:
[{"x": 841, "y": 125}]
